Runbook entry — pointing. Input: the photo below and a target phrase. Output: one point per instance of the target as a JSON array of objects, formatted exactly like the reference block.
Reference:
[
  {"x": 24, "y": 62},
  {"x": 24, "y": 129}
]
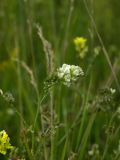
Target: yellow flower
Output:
[
  {"x": 80, "y": 46},
  {"x": 4, "y": 142},
  {"x": 80, "y": 43}
]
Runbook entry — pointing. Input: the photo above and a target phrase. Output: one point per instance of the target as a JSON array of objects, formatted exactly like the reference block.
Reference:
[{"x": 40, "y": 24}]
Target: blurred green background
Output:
[{"x": 61, "y": 24}]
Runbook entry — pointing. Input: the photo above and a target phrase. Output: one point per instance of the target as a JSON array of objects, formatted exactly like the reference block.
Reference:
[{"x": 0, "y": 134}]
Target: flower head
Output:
[
  {"x": 4, "y": 142},
  {"x": 80, "y": 46},
  {"x": 80, "y": 43},
  {"x": 69, "y": 73}
]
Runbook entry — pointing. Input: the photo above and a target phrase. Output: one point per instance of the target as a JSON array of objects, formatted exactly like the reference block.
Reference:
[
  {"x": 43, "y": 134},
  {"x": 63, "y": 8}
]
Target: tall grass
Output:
[{"x": 80, "y": 122}]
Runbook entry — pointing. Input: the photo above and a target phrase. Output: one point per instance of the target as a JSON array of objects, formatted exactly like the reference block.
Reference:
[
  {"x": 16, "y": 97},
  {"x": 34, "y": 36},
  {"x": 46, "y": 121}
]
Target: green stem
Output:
[
  {"x": 39, "y": 109},
  {"x": 85, "y": 137},
  {"x": 51, "y": 123},
  {"x": 108, "y": 137}
]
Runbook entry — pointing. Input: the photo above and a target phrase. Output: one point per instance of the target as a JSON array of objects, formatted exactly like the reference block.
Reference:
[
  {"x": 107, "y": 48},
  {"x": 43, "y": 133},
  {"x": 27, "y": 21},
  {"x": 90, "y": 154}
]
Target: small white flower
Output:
[
  {"x": 112, "y": 90},
  {"x": 91, "y": 153},
  {"x": 69, "y": 73},
  {"x": 94, "y": 150}
]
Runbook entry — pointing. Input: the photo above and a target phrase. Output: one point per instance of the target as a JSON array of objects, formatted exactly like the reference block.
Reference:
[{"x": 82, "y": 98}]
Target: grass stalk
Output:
[
  {"x": 108, "y": 137},
  {"x": 102, "y": 45},
  {"x": 82, "y": 147}
]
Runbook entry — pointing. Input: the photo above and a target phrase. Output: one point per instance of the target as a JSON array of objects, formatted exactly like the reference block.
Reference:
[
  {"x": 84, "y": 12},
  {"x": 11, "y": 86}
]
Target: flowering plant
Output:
[
  {"x": 69, "y": 74},
  {"x": 4, "y": 142}
]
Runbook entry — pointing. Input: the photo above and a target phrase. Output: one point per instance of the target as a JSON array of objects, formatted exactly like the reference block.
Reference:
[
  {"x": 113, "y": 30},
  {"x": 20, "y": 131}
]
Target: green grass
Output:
[{"x": 60, "y": 123}]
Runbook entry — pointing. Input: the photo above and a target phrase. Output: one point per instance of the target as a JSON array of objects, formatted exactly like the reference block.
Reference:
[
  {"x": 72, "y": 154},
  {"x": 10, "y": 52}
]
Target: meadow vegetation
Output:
[{"x": 59, "y": 80}]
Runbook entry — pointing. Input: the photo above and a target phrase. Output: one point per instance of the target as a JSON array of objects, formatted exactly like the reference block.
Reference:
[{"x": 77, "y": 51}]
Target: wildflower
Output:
[
  {"x": 80, "y": 42},
  {"x": 80, "y": 45},
  {"x": 94, "y": 150},
  {"x": 112, "y": 90},
  {"x": 4, "y": 142},
  {"x": 69, "y": 74}
]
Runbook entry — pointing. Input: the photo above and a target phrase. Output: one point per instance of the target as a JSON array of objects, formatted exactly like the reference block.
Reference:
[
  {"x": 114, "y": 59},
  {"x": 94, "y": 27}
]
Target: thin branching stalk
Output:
[
  {"x": 39, "y": 110},
  {"x": 50, "y": 69}
]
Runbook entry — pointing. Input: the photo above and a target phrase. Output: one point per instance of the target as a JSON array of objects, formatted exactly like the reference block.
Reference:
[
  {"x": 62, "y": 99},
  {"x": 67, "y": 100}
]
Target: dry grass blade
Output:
[{"x": 48, "y": 51}]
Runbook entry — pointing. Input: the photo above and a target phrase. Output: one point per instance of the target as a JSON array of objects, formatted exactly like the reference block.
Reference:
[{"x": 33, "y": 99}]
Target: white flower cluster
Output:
[{"x": 69, "y": 74}]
